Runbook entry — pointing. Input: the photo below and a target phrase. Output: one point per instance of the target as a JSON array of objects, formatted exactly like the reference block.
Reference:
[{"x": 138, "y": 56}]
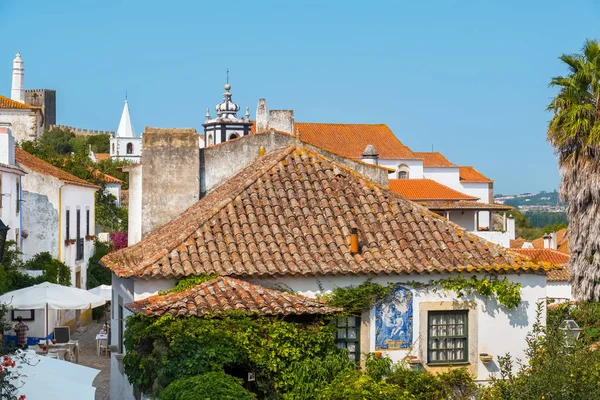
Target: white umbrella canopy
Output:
[
  {"x": 104, "y": 291},
  {"x": 48, "y": 378},
  {"x": 51, "y": 296}
]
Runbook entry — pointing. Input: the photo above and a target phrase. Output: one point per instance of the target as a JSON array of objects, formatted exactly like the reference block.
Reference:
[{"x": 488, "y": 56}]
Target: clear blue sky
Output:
[{"x": 469, "y": 77}]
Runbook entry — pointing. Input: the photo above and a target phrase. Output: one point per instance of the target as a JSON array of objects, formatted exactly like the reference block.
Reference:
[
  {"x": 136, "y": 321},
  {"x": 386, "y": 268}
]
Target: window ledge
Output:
[{"x": 447, "y": 364}]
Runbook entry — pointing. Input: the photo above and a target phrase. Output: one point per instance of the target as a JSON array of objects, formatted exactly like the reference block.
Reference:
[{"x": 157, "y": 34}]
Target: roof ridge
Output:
[{"x": 186, "y": 229}]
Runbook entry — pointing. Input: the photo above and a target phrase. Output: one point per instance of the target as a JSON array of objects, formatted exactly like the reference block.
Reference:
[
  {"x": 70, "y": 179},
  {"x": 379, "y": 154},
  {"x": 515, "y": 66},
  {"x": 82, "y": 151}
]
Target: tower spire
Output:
[
  {"x": 125, "y": 125},
  {"x": 18, "y": 87}
]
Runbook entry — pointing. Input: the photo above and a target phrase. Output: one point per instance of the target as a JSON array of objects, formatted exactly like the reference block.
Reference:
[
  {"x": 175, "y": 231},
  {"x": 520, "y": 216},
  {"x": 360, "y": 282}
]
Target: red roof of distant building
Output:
[
  {"x": 469, "y": 174},
  {"x": 426, "y": 189},
  {"x": 434, "y": 159}
]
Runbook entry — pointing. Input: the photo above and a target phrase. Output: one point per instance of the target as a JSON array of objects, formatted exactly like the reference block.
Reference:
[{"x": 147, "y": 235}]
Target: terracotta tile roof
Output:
[
  {"x": 552, "y": 256},
  {"x": 564, "y": 247},
  {"x": 104, "y": 177},
  {"x": 102, "y": 156},
  {"x": 561, "y": 237},
  {"x": 225, "y": 294},
  {"x": 464, "y": 205},
  {"x": 350, "y": 140},
  {"x": 470, "y": 174},
  {"x": 5, "y": 102},
  {"x": 290, "y": 213},
  {"x": 434, "y": 159},
  {"x": 517, "y": 243},
  {"x": 426, "y": 189},
  {"x": 37, "y": 164}
]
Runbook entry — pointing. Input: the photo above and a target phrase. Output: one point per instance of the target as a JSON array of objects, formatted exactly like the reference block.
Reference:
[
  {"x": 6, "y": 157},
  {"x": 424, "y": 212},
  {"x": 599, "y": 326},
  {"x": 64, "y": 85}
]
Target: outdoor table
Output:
[
  {"x": 101, "y": 337},
  {"x": 67, "y": 350}
]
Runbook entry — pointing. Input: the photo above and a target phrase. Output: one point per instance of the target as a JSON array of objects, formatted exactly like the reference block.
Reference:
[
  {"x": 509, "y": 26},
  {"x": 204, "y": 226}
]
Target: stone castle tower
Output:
[{"x": 46, "y": 99}]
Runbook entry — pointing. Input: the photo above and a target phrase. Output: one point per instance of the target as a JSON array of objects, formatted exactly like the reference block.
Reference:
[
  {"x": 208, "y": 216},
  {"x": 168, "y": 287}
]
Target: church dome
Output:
[{"x": 227, "y": 108}]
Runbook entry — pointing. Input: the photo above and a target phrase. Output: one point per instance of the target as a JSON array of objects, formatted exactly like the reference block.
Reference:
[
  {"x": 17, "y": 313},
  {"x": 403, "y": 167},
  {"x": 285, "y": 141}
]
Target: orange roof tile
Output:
[
  {"x": 350, "y": 140},
  {"x": 290, "y": 213},
  {"x": 470, "y": 174},
  {"x": 5, "y": 102},
  {"x": 434, "y": 159},
  {"x": 561, "y": 237},
  {"x": 552, "y": 256},
  {"x": 104, "y": 177},
  {"x": 37, "y": 164},
  {"x": 517, "y": 243},
  {"x": 225, "y": 294},
  {"x": 102, "y": 156},
  {"x": 564, "y": 247},
  {"x": 426, "y": 189}
]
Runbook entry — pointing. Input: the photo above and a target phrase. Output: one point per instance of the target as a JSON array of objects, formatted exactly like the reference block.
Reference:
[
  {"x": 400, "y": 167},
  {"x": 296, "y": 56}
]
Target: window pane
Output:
[
  {"x": 341, "y": 333},
  {"x": 351, "y": 321},
  {"x": 447, "y": 336},
  {"x": 352, "y": 333}
]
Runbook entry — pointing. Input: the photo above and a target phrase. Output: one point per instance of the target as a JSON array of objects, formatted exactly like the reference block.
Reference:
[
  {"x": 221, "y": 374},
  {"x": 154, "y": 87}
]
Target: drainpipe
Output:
[{"x": 20, "y": 200}]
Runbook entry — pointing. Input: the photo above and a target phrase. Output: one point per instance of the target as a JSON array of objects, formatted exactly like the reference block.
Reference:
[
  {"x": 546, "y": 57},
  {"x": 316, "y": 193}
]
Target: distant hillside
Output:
[{"x": 530, "y": 200}]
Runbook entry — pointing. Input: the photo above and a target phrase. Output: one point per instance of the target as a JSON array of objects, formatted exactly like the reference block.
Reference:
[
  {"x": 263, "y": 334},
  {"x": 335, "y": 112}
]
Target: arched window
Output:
[
  {"x": 113, "y": 148},
  {"x": 129, "y": 148},
  {"x": 210, "y": 141},
  {"x": 403, "y": 171},
  {"x": 233, "y": 136}
]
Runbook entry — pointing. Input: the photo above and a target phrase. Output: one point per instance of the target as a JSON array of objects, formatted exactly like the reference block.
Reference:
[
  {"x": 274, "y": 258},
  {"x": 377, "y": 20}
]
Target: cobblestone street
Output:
[{"x": 88, "y": 357}]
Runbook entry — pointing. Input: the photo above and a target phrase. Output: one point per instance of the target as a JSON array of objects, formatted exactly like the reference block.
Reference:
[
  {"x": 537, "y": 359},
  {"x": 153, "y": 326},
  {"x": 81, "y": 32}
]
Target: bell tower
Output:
[{"x": 227, "y": 125}]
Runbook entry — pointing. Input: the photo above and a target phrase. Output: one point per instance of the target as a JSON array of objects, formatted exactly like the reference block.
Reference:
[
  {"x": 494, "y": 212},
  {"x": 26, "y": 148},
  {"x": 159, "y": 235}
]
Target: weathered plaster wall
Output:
[
  {"x": 40, "y": 214},
  {"x": 494, "y": 324},
  {"x": 26, "y": 124},
  {"x": 170, "y": 182}
]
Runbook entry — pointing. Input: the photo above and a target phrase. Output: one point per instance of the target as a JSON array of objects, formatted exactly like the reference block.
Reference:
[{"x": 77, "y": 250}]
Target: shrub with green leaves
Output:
[{"x": 209, "y": 386}]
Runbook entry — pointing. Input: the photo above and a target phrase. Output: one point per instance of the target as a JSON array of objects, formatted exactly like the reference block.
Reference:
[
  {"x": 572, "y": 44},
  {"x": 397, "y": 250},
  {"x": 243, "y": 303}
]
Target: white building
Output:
[
  {"x": 10, "y": 186},
  {"x": 305, "y": 218},
  {"x": 559, "y": 285},
  {"x": 58, "y": 215},
  {"x": 125, "y": 145}
]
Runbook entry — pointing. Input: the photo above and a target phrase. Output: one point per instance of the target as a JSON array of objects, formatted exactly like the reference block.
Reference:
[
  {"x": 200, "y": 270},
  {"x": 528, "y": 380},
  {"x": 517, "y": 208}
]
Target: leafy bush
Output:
[
  {"x": 552, "y": 370},
  {"x": 209, "y": 386},
  {"x": 161, "y": 350},
  {"x": 354, "y": 385}
]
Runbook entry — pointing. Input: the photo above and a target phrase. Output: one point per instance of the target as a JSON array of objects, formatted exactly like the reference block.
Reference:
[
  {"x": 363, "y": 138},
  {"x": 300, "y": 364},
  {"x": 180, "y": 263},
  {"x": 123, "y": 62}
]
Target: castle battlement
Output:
[{"x": 83, "y": 132}]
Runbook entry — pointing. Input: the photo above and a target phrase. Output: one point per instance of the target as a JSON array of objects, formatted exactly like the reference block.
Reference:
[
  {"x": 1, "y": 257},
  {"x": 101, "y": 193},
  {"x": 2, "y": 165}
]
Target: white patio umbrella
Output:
[
  {"x": 104, "y": 291},
  {"x": 48, "y": 295},
  {"x": 49, "y": 378}
]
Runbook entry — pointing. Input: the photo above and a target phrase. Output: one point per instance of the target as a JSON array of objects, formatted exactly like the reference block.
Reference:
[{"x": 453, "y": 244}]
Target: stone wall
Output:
[
  {"x": 170, "y": 179},
  {"x": 82, "y": 131},
  {"x": 46, "y": 99},
  {"x": 24, "y": 123}
]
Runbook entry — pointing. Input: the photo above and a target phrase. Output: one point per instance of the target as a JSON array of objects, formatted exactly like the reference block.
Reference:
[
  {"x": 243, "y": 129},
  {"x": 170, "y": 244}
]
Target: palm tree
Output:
[{"x": 574, "y": 132}]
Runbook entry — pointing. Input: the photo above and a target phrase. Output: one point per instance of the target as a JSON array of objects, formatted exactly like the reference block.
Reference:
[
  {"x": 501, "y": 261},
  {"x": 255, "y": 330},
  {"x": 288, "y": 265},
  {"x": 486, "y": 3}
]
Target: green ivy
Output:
[
  {"x": 355, "y": 299},
  {"x": 505, "y": 292},
  {"x": 188, "y": 282}
]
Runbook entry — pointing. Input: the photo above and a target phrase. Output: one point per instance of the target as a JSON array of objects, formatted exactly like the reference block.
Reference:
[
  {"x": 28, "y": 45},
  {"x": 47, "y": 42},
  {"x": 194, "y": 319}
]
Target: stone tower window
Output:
[
  {"x": 113, "y": 148},
  {"x": 403, "y": 171},
  {"x": 210, "y": 141},
  {"x": 233, "y": 136},
  {"x": 129, "y": 148}
]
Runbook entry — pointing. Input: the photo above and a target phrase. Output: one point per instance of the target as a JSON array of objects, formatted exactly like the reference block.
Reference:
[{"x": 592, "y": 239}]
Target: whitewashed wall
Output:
[
  {"x": 448, "y": 176},
  {"x": 465, "y": 218},
  {"x": 134, "y": 232},
  {"x": 560, "y": 290},
  {"x": 415, "y": 167},
  {"x": 118, "y": 148},
  {"x": 25, "y": 124},
  {"x": 115, "y": 190},
  {"x": 77, "y": 198},
  {"x": 499, "y": 330},
  {"x": 8, "y": 210}
]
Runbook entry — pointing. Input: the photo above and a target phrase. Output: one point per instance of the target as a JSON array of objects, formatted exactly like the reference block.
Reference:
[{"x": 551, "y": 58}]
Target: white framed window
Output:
[{"x": 403, "y": 171}]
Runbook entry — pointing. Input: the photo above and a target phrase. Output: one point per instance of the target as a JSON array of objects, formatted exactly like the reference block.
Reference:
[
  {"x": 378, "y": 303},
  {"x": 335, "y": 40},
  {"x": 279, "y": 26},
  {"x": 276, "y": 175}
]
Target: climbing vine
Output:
[
  {"x": 188, "y": 282},
  {"x": 355, "y": 299}
]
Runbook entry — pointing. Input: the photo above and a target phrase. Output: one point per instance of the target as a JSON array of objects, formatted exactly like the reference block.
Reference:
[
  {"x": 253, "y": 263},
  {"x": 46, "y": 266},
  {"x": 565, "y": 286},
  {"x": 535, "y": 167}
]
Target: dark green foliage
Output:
[
  {"x": 313, "y": 374},
  {"x": 533, "y": 225},
  {"x": 420, "y": 384},
  {"x": 505, "y": 292},
  {"x": 586, "y": 314},
  {"x": 109, "y": 217},
  {"x": 97, "y": 274},
  {"x": 551, "y": 371},
  {"x": 354, "y": 385},
  {"x": 161, "y": 350},
  {"x": 209, "y": 386},
  {"x": 56, "y": 140},
  {"x": 355, "y": 299},
  {"x": 12, "y": 276},
  {"x": 188, "y": 282},
  {"x": 378, "y": 367}
]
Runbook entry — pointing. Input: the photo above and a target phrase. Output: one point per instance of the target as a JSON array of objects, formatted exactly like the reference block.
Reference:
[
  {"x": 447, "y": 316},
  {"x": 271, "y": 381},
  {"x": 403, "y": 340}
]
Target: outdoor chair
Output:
[{"x": 62, "y": 334}]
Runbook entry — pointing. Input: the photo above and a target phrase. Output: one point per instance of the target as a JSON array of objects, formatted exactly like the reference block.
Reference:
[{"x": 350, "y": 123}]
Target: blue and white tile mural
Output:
[{"x": 394, "y": 320}]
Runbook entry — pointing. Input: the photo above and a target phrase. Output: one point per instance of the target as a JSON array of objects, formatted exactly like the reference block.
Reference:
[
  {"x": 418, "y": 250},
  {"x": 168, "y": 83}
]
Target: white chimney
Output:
[
  {"x": 7, "y": 144},
  {"x": 510, "y": 227},
  {"x": 547, "y": 241},
  {"x": 553, "y": 241},
  {"x": 18, "y": 87},
  {"x": 261, "y": 116}
]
